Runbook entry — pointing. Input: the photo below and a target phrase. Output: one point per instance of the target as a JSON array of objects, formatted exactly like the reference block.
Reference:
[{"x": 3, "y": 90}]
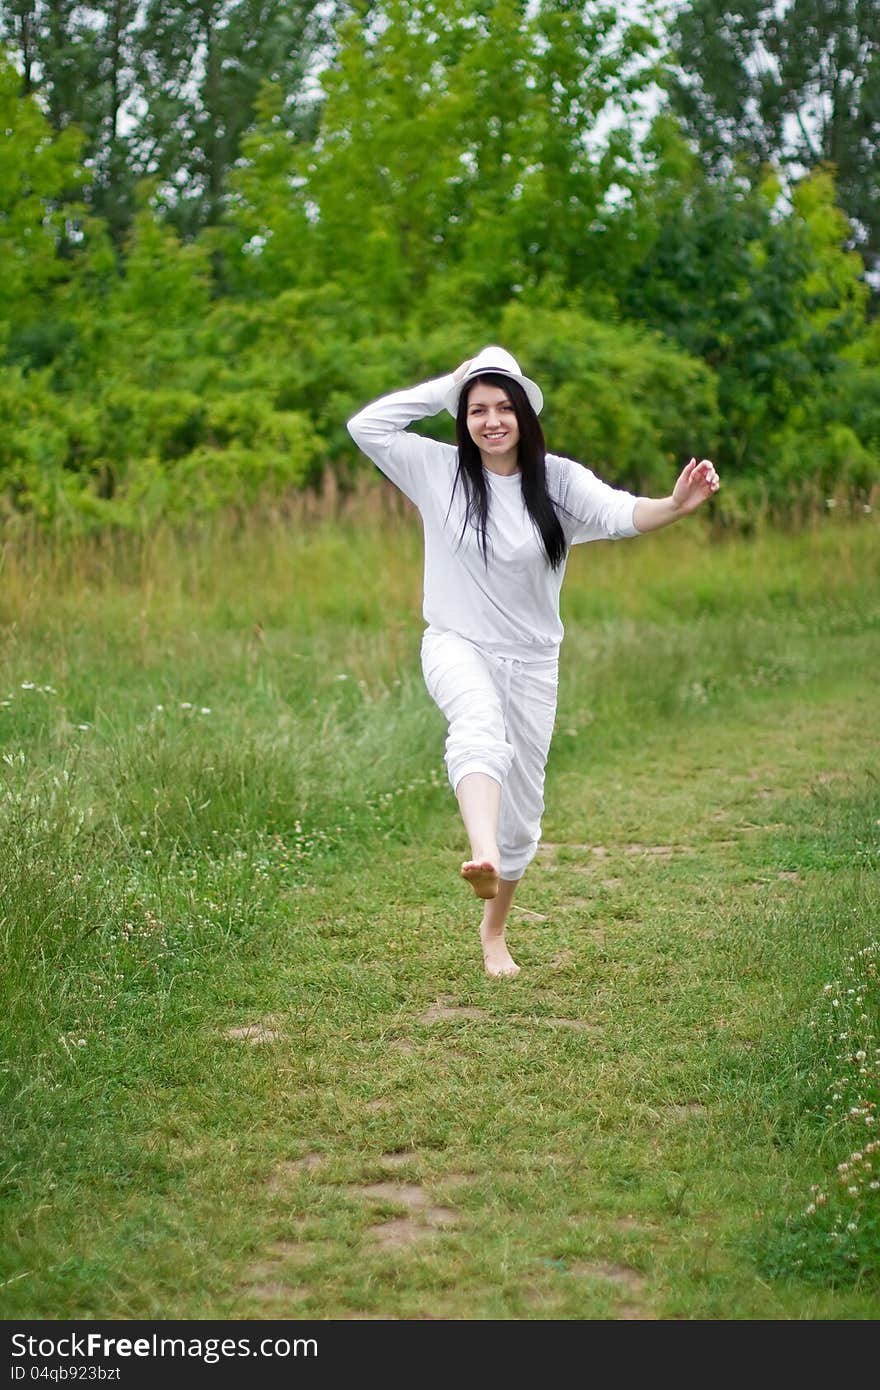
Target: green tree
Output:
[
  {"x": 453, "y": 158},
  {"x": 200, "y": 67},
  {"x": 40, "y": 178},
  {"x": 769, "y": 297},
  {"x": 797, "y": 88},
  {"x": 590, "y": 68},
  {"x": 164, "y": 88},
  {"x": 80, "y": 61}
]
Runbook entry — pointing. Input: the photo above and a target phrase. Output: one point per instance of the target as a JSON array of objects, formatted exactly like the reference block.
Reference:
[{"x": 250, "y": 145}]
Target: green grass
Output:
[{"x": 223, "y": 804}]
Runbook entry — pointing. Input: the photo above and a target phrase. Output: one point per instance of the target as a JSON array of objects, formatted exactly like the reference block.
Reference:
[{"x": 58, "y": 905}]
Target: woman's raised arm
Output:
[{"x": 380, "y": 430}]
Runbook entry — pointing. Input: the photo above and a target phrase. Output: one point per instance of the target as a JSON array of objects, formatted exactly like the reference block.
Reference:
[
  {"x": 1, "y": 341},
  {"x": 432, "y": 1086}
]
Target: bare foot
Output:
[
  {"x": 483, "y": 877},
  {"x": 496, "y": 957}
]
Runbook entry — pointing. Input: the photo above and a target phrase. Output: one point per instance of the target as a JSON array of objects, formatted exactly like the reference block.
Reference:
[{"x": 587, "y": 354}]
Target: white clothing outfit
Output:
[
  {"x": 501, "y": 713},
  {"x": 490, "y": 652}
]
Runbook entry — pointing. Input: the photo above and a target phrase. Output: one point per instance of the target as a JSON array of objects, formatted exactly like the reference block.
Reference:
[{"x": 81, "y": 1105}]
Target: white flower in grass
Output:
[
  {"x": 204, "y": 710},
  {"x": 185, "y": 704}
]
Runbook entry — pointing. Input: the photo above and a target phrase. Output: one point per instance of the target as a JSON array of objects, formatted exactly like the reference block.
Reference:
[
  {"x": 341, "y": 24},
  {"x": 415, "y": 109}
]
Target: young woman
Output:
[{"x": 499, "y": 517}]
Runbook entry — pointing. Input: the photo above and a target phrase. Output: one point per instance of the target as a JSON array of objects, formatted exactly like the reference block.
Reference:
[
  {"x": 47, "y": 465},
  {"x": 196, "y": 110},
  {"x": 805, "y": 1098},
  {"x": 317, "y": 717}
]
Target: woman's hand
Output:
[
  {"x": 694, "y": 484},
  {"x": 460, "y": 371}
]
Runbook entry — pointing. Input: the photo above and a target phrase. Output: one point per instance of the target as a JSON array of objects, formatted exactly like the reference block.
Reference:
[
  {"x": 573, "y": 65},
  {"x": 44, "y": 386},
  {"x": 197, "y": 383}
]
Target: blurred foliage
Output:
[
  {"x": 183, "y": 335},
  {"x": 797, "y": 86}
]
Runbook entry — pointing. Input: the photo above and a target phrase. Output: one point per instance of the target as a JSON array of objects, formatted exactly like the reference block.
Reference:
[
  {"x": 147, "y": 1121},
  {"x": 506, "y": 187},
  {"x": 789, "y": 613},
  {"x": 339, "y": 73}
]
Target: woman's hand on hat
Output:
[
  {"x": 460, "y": 371},
  {"x": 696, "y": 482}
]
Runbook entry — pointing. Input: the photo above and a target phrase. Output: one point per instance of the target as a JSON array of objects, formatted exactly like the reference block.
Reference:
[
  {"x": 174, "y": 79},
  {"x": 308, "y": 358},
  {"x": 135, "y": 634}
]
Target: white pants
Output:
[{"x": 501, "y": 713}]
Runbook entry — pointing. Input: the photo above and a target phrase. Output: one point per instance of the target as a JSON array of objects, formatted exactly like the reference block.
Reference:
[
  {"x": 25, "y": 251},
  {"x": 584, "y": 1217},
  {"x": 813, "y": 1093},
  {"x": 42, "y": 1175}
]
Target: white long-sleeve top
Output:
[{"x": 510, "y": 607}]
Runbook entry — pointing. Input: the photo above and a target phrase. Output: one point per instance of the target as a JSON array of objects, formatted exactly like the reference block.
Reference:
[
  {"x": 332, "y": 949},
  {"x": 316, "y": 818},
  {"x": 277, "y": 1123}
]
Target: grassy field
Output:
[{"x": 251, "y": 1066}]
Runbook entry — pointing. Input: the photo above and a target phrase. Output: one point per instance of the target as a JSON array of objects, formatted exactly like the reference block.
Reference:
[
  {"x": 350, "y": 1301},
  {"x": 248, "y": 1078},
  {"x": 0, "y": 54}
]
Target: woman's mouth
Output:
[{"x": 502, "y": 434}]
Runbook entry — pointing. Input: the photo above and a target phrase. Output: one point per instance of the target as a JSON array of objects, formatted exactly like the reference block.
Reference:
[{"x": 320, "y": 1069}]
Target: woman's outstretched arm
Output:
[{"x": 695, "y": 483}]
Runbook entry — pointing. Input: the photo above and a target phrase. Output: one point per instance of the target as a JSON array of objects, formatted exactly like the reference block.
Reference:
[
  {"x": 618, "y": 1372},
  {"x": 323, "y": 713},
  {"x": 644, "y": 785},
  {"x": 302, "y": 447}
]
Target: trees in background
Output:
[
  {"x": 453, "y": 153},
  {"x": 194, "y": 322},
  {"x": 770, "y": 302},
  {"x": 797, "y": 87},
  {"x": 164, "y": 89}
]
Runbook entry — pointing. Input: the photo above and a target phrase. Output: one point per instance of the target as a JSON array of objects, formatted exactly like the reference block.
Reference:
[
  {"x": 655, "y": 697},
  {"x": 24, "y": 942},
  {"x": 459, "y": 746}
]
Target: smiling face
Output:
[{"x": 492, "y": 422}]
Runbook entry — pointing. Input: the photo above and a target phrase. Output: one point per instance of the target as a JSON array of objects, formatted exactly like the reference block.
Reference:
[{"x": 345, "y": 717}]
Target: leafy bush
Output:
[{"x": 133, "y": 455}]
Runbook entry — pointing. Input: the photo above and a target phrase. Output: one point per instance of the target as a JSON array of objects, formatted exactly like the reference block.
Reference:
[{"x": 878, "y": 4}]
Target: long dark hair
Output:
[{"x": 533, "y": 471}]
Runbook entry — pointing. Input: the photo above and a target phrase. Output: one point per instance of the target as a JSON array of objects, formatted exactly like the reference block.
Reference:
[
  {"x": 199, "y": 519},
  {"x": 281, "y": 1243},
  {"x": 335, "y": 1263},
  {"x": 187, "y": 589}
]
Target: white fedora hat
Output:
[{"x": 495, "y": 359}]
